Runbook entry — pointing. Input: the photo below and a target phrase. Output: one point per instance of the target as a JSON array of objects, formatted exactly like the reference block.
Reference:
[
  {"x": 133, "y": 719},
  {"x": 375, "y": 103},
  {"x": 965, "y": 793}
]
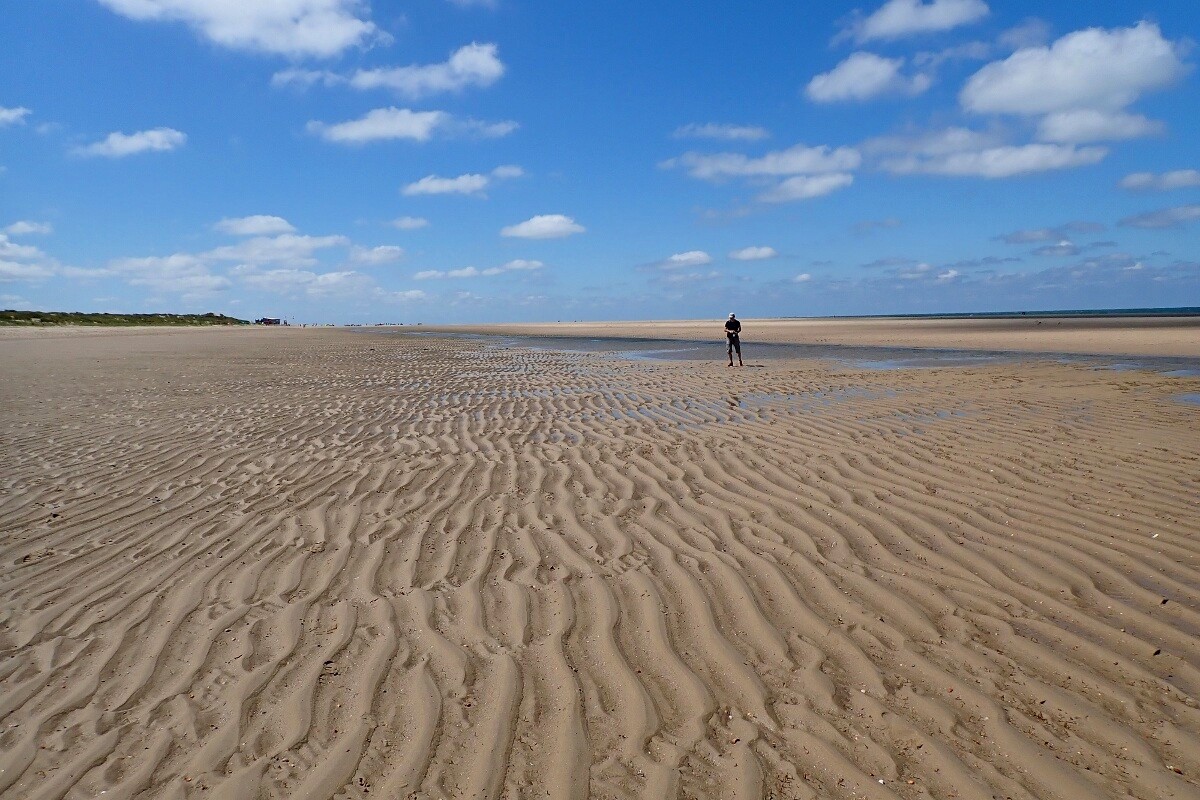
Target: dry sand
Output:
[{"x": 314, "y": 564}]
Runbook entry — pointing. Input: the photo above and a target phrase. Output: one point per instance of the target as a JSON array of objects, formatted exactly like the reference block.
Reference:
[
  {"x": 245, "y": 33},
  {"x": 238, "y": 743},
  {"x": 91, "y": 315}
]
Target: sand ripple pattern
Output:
[{"x": 355, "y": 566}]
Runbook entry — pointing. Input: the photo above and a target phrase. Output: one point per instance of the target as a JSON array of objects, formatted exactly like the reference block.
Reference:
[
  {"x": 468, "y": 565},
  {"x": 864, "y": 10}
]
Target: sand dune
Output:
[{"x": 316, "y": 564}]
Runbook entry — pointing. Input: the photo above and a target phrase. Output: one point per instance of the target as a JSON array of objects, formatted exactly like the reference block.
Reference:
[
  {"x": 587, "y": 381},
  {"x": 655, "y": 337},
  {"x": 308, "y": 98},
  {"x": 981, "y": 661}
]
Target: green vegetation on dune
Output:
[{"x": 10, "y": 317}]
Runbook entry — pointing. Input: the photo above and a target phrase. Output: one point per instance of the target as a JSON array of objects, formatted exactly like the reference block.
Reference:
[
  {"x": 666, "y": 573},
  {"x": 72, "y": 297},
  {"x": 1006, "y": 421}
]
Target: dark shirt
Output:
[{"x": 732, "y": 326}]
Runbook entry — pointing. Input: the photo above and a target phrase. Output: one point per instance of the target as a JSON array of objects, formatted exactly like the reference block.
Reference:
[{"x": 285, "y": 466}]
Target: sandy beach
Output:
[
  {"x": 1150, "y": 336},
  {"x": 286, "y": 563}
]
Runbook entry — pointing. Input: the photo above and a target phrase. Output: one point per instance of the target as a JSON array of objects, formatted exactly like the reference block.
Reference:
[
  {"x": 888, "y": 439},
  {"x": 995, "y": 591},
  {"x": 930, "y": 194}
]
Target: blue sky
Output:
[{"x": 465, "y": 160}]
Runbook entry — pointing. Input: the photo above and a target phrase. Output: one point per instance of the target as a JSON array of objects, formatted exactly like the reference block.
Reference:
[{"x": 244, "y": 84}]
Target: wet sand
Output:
[
  {"x": 1151, "y": 336},
  {"x": 325, "y": 563}
]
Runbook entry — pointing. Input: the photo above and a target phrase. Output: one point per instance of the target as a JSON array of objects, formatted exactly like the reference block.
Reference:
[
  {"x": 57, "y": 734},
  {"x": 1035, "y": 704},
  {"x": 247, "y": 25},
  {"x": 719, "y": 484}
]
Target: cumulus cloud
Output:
[
  {"x": 712, "y": 130},
  {"x": 13, "y": 116},
  {"x": 409, "y": 223},
  {"x": 803, "y": 277},
  {"x": 295, "y": 28},
  {"x": 1093, "y": 125},
  {"x": 469, "y": 184},
  {"x": 516, "y": 265},
  {"x": 288, "y": 248},
  {"x": 543, "y": 226},
  {"x": 692, "y": 258},
  {"x": 1151, "y": 182},
  {"x": 469, "y": 66},
  {"x": 804, "y": 187},
  {"x": 382, "y": 124},
  {"x": 1176, "y": 217},
  {"x": 432, "y": 184},
  {"x": 896, "y": 19},
  {"x": 382, "y": 254},
  {"x": 863, "y": 76},
  {"x": 10, "y": 249},
  {"x": 962, "y": 153},
  {"x": 120, "y": 145},
  {"x": 181, "y": 273},
  {"x": 290, "y": 281},
  {"x": 1090, "y": 69},
  {"x": 753, "y": 253},
  {"x": 255, "y": 225},
  {"x": 796, "y": 160},
  {"x": 26, "y": 227},
  {"x": 522, "y": 264}
]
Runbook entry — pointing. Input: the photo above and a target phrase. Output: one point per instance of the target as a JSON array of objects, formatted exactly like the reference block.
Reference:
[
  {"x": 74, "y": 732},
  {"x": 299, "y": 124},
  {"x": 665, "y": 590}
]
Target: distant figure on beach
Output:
[{"x": 733, "y": 335}]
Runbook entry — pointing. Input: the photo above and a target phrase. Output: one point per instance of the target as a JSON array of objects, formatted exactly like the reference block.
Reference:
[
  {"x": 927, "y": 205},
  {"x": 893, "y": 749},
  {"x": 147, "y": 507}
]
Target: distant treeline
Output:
[{"x": 10, "y": 317}]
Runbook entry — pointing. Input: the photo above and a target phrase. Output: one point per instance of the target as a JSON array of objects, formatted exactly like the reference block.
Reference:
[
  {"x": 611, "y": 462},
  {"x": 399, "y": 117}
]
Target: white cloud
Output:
[
  {"x": 403, "y": 123},
  {"x": 1175, "y": 217},
  {"x": 521, "y": 264},
  {"x": 304, "y": 78},
  {"x": 804, "y": 187},
  {"x": 712, "y": 130},
  {"x": 947, "y": 276},
  {"x": 119, "y": 145},
  {"x": 13, "y": 116},
  {"x": 803, "y": 277},
  {"x": 16, "y": 271},
  {"x": 543, "y": 226},
  {"x": 796, "y": 160},
  {"x": 463, "y": 272},
  {"x": 25, "y": 227},
  {"x": 1093, "y": 125},
  {"x": 289, "y": 27},
  {"x": 405, "y": 296},
  {"x": 934, "y": 143},
  {"x": 285, "y": 248},
  {"x": 383, "y": 123},
  {"x": 463, "y": 184},
  {"x": 178, "y": 274},
  {"x": 899, "y": 18},
  {"x": 472, "y": 65},
  {"x": 1092, "y": 68},
  {"x": 383, "y": 254},
  {"x": 341, "y": 283},
  {"x": 255, "y": 225},
  {"x": 409, "y": 223},
  {"x": 469, "y": 184},
  {"x": 753, "y": 253},
  {"x": 1148, "y": 181},
  {"x": 692, "y": 258},
  {"x": 9, "y": 249},
  {"x": 996, "y": 162},
  {"x": 862, "y": 76}
]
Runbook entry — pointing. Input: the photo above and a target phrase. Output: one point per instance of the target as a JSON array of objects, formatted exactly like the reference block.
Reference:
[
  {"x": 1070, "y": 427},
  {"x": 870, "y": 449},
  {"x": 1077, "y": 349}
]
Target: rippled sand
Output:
[{"x": 314, "y": 564}]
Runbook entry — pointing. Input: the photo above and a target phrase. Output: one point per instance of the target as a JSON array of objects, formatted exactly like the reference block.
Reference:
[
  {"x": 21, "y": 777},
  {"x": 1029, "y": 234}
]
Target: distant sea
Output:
[{"x": 1185, "y": 311}]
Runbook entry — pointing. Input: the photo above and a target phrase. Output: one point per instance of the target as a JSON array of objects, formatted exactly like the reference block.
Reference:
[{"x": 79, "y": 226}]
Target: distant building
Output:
[{"x": 268, "y": 321}]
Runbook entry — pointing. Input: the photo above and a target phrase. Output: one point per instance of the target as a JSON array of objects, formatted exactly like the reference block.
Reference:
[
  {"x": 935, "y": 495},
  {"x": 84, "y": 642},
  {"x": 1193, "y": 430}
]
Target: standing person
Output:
[{"x": 733, "y": 335}]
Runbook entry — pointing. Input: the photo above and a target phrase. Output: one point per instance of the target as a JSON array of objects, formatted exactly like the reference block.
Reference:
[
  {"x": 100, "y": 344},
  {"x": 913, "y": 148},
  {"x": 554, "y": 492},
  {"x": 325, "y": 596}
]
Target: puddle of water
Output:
[
  {"x": 1191, "y": 398},
  {"x": 853, "y": 356}
]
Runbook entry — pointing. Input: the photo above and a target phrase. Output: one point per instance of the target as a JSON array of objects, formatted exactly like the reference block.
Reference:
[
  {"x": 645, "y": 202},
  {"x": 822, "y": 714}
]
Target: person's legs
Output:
[
  {"x": 729, "y": 341},
  {"x": 737, "y": 345}
]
